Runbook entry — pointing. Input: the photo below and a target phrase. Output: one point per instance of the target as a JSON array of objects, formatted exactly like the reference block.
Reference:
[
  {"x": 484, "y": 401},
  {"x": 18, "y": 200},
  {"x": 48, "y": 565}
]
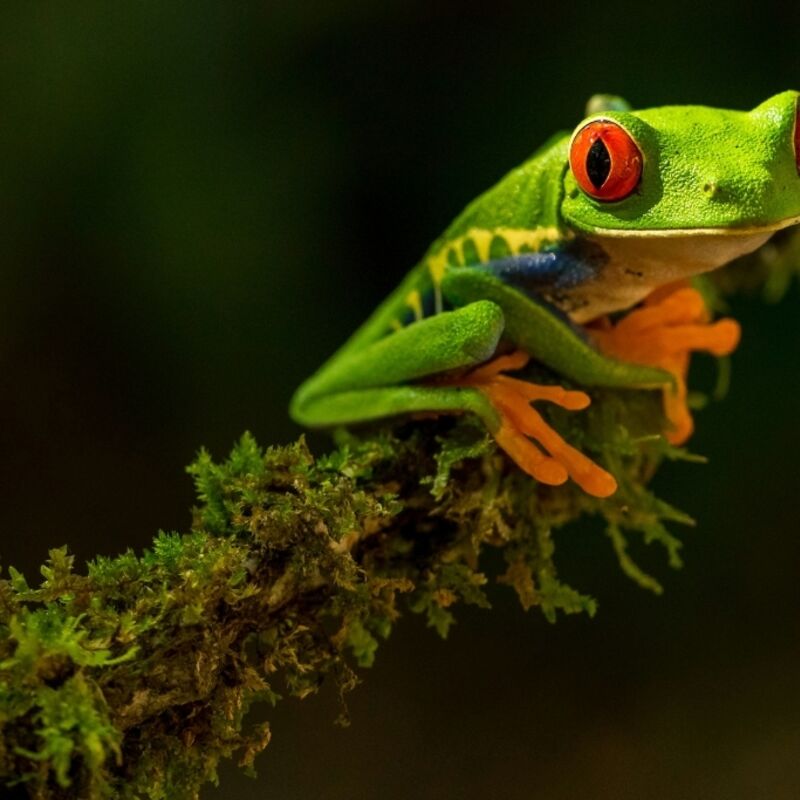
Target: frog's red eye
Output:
[{"x": 605, "y": 161}]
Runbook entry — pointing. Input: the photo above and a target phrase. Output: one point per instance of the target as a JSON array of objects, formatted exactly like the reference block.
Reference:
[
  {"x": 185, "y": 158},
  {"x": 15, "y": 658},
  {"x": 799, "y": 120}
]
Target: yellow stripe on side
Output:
[
  {"x": 533, "y": 239},
  {"x": 437, "y": 265},
  {"x": 517, "y": 239},
  {"x": 414, "y": 302}
]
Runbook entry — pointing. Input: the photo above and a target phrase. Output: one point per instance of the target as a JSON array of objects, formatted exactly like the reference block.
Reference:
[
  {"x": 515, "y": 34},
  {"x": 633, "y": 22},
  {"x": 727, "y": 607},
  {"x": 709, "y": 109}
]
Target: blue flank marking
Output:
[
  {"x": 534, "y": 272},
  {"x": 538, "y": 275}
]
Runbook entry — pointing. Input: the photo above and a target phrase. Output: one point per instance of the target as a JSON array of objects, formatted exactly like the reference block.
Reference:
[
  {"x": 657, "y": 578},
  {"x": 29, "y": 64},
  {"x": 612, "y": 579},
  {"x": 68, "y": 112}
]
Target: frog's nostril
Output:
[{"x": 711, "y": 189}]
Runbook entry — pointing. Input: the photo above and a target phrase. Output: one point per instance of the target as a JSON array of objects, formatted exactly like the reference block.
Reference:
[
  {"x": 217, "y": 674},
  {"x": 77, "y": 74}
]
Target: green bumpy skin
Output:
[
  {"x": 538, "y": 256},
  {"x": 704, "y": 168}
]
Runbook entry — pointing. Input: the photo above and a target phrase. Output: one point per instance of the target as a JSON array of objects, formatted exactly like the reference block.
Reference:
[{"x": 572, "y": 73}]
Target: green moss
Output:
[{"x": 134, "y": 679}]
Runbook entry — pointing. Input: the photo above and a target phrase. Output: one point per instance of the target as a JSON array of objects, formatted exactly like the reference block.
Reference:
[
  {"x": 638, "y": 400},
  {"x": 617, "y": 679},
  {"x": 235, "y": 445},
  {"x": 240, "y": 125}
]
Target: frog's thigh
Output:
[
  {"x": 450, "y": 340},
  {"x": 546, "y": 335},
  {"x": 368, "y": 404}
]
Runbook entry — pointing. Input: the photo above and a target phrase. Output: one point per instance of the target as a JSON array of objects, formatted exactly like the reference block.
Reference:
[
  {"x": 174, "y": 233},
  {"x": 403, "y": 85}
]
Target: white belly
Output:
[{"x": 639, "y": 264}]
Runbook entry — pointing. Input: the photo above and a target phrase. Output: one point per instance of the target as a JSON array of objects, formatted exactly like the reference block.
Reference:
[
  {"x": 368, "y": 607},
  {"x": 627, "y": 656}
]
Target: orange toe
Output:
[
  {"x": 681, "y": 306},
  {"x": 571, "y": 400},
  {"x": 663, "y": 332},
  {"x": 521, "y": 425},
  {"x": 528, "y": 456},
  {"x": 676, "y": 409},
  {"x": 516, "y": 360}
]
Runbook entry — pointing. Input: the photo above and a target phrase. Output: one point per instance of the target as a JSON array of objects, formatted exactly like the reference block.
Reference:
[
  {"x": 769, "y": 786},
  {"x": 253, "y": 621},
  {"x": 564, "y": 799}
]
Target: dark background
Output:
[{"x": 198, "y": 202}]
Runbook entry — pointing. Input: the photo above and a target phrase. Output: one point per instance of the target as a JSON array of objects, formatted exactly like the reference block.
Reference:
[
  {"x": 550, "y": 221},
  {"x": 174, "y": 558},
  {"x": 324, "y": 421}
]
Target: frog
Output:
[{"x": 585, "y": 260}]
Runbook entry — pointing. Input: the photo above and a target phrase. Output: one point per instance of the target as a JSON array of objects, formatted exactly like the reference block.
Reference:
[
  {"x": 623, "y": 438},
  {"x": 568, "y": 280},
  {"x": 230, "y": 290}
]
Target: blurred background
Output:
[{"x": 200, "y": 201}]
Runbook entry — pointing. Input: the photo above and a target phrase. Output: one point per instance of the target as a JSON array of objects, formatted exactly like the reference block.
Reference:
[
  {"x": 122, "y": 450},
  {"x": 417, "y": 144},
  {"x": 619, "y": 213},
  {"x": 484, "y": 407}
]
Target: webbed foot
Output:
[
  {"x": 671, "y": 324},
  {"x": 520, "y": 423}
]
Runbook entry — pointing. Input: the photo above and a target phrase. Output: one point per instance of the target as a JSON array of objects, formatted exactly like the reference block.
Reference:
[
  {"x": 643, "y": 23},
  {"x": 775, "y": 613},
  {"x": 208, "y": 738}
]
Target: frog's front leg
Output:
[
  {"x": 671, "y": 323},
  {"x": 650, "y": 347},
  {"x": 424, "y": 367},
  {"x": 546, "y": 334}
]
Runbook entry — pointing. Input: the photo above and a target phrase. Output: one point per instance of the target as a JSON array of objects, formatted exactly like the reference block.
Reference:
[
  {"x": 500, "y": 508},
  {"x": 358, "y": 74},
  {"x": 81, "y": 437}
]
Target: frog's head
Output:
[{"x": 686, "y": 171}]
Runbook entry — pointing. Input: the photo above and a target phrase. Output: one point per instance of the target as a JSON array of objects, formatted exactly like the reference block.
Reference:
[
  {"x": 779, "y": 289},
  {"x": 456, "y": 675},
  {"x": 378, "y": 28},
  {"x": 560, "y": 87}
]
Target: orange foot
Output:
[
  {"x": 663, "y": 332},
  {"x": 511, "y": 398}
]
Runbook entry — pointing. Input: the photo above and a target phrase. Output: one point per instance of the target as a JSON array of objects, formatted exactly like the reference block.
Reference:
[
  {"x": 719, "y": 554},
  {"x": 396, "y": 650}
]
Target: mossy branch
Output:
[{"x": 134, "y": 678}]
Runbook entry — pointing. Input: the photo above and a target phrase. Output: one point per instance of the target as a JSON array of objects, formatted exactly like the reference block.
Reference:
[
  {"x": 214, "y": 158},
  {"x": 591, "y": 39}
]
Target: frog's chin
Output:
[{"x": 638, "y": 264}]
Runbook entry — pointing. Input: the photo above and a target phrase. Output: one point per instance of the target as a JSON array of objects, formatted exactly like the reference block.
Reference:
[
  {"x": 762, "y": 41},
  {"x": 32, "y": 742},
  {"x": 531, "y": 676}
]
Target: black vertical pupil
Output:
[{"x": 598, "y": 163}]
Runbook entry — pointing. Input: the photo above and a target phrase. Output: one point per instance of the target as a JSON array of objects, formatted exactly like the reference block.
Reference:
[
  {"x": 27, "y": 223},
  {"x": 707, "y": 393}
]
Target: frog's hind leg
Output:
[
  {"x": 452, "y": 340},
  {"x": 423, "y": 368},
  {"x": 672, "y": 323}
]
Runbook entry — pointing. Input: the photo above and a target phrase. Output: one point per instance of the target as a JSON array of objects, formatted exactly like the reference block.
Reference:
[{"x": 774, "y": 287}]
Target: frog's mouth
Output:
[
  {"x": 671, "y": 254},
  {"x": 679, "y": 233}
]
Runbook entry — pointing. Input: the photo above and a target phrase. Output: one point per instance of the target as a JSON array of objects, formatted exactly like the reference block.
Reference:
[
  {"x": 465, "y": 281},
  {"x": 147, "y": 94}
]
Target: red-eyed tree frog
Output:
[{"x": 614, "y": 216}]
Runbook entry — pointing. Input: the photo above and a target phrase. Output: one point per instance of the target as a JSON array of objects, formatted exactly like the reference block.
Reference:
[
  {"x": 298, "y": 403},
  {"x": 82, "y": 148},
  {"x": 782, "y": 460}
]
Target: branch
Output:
[{"x": 134, "y": 679}]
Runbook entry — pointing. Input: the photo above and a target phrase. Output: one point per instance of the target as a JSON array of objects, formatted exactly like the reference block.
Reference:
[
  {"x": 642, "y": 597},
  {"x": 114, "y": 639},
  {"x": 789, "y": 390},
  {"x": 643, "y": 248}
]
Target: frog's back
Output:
[
  {"x": 527, "y": 198},
  {"x": 518, "y": 214}
]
